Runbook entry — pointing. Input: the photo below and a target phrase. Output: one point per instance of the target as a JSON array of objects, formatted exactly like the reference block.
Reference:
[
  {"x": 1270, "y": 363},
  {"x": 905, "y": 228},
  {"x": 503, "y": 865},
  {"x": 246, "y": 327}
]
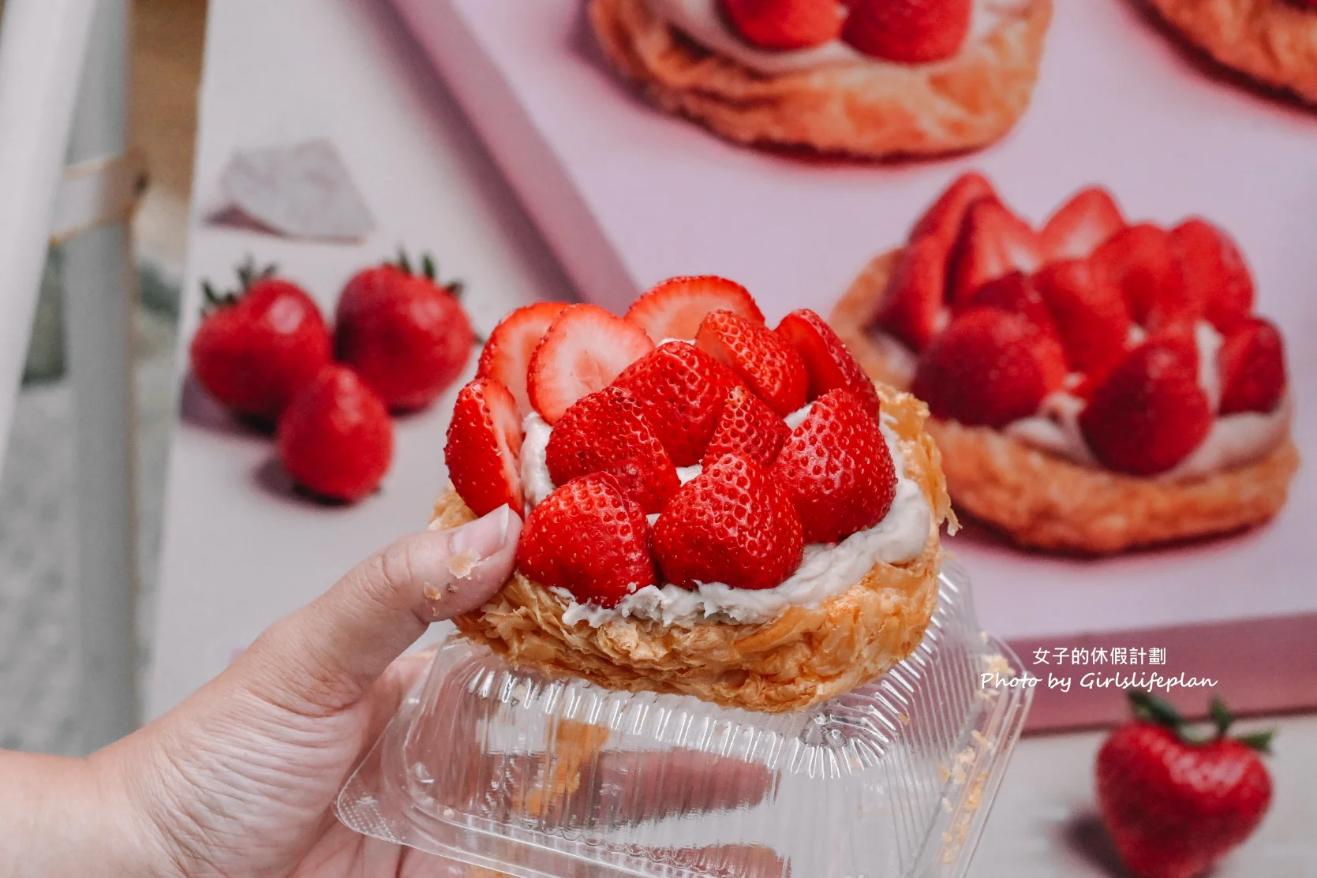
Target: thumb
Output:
[{"x": 323, "y": 657}]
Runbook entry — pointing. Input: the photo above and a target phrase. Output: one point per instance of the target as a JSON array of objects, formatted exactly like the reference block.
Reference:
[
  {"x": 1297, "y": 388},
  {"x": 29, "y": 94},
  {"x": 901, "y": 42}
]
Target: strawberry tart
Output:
[
  {"x": 1093, "y": 386},
  {"x": 866, "y": 78},
  {"x": 712, "y": 507}
]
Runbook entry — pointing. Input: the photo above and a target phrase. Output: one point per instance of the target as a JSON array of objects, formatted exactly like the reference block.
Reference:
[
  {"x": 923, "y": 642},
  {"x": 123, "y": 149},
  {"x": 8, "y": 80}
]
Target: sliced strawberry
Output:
[
  {"x": 748, "y": 426},
  {"x": 584, "y": 349},
  {"x": 828, "y": 363},
  {"x": 837, "y": 469},
  {"x": 1252, "y": 365},
  {"x": 912, "y": 305},
  {"x": 730, "y": 524},
  {"x": 992, "y": 242},
  {"x": 588, "y": 538},
  {"x": 1138, "y": 260},
  {"x": 785, "y": 24},
  {"x": 506, "y": 356},
  {"x": 680, "y": 390},
  {"x": 484, "y": 443},
  {"x": 1089, "y": 313},
  {"x": 1081, "y": 225},
  {"x": 942, "y": 220},
  {"x": 989, "y": 367},
  {"x": 909, "y": 31},
  {"x": 605, "y": 431},
  {"x": 674, "y": 308},
  {"x": 767, "y": 365},
  {"x": 1149, "y": 412},
  {"x": 1015, "y": 293},
  {"x": 1214, "y": 273}
]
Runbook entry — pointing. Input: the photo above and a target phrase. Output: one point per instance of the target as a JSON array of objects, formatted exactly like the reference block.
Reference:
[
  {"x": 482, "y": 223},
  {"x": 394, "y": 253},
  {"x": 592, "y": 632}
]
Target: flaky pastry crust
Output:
[
  {"x": 1045, "y": 501},
  {"x": 1272, "y": 41},
  {"x": 805, "y": 656},
  {"x": 870, "y": 111}
]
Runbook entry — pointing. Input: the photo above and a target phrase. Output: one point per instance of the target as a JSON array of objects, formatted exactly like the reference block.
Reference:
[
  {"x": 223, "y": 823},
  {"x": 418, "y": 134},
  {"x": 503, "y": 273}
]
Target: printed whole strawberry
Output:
[
  {"x": 483, "y": 447},
  {"x": 404, "y": 333},
  {"x": 1252, "y": 364},
  {"x": 1174, "y": 802},
  {"x": 768, "y": 365},
  {"x": 335, "y": 437},
  {"x": 785, "y": 24},
  {"x": 1088, "y": 312},
  {"x": 257, "y": 347},
  {"x": 910, "y": 31},
  {"x": 681, "y": 391}
]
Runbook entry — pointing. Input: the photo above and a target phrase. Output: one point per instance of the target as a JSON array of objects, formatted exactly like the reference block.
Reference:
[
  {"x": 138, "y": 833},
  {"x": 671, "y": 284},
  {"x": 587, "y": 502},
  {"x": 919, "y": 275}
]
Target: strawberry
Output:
[
  {"x": 680, "y": 390},
  {"x": 1081, "y": 225},
  {"x": 506, "y": 356},
  {"x": 584, "y": 349},
  {"x": 989, "y": 367},
  {"x": 828, "y": 364},
  {"x": 484, "y": 443},
  {"x": 837, "y": 469},
  {"x": 1175, "y": 802},
  {"x": 767, "y": 365},
  {"x": 730, "y": 524},
  {"x": 590, "y": 539},
  {"x": 1138, "y": 261},
  {"x": 1089, "y": 313},
  {"x": 605, "y": 431},
  {"x": 1252, "y": 365},
  {"x": 674, "y": 308},
  {"x": 1213, "y": 272},
  {"x": 1016, "y": 293},
  {"x": 405, "y": 334},
  {"x": 1149, "y": 412},
  {"x": 992, "y": 242},
  {"x": 942, "y": 220},
  {"x": 335, "y": 437},
  {"x": 256, "y": 348},
  {"x": 784, "y": 24},
  {"x": 748, "y": 426},
  {"x": 912, "y": 305},
  {"x": 909, "y": 31}
]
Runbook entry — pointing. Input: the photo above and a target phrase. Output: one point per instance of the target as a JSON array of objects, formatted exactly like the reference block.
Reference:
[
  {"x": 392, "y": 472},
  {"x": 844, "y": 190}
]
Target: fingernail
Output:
[{"x": 477, "y": 540}]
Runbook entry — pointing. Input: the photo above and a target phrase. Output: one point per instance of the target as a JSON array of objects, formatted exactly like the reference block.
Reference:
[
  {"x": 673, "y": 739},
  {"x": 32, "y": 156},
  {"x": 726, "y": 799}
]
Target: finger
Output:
[{"x": 324, "y": 656}]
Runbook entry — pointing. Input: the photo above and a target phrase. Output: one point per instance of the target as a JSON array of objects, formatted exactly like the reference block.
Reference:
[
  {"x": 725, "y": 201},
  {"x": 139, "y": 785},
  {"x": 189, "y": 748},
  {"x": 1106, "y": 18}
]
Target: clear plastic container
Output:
[{"x": 504, "y": 770}]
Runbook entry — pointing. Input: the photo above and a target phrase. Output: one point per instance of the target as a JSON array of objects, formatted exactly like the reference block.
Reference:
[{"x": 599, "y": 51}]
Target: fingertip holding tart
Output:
[{"x": 866, "y": 110}]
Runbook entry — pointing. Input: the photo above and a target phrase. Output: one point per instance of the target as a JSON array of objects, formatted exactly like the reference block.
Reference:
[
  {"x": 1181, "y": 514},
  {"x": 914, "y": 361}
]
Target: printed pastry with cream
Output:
[
  {"x": 1094, "y": 386},
  {"x": 712, "y": 507},
  {"x": 866, "y": 78}
]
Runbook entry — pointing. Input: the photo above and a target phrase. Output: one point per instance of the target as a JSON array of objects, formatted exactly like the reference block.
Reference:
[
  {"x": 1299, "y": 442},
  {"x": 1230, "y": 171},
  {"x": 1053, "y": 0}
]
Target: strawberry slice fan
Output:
[{"x": 730, "y": 645}]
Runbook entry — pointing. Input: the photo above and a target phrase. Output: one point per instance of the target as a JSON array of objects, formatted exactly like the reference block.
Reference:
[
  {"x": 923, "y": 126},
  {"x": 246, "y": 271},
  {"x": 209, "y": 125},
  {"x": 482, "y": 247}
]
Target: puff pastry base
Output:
[
  {"x": 877, "y": 111},
  {"x": 1272, "y": 41},
  {"x": 807, "y": 655},
  {"x": 1044, "y": 501}
]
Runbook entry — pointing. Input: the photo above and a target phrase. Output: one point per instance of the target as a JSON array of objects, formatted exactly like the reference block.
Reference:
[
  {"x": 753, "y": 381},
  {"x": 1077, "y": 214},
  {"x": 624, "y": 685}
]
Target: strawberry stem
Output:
[
  {"x": 1221, "y": 717},
  {"x": 1148, "y": 708},
  {"x": 1259, "y": 741},
  {"x": 404, "y": 263},
  {"x": 428, "y": 267}
]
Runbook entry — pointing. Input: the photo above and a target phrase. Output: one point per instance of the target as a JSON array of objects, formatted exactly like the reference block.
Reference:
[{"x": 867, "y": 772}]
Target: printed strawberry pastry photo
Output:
[
  {"x": 712, "y": 506},
  {"x": 1094, "y": 386},
  {"x": 865, "y": 78}
]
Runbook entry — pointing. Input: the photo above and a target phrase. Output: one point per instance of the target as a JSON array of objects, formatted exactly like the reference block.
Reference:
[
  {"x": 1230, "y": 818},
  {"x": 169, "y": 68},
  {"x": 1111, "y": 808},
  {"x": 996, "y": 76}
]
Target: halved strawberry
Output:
[
  {"x": 909, "y": 31},
  {"x": 1080, "y": 225},
  {"x": 1149, "y": 412},
  {"x": 1252, "y": 365},
  {"x": 785, "y": 24},
  {"x": 989, "y": 367},
  {"x": 733, "y": 524},
  {"x": 912, "y": 305},
  {"x": 942, "y": 220},
  {"x": 584, "y": 349},
  {"x": 605, "y": 431},
  {"x": 484, "y": 443},
  {"x": 1089, "y": 313},
  {"x": 506, "y": 356},
  {"x": 837, "y": 469},
  {"x": 674, "y": 308},
  {"x": 748, "y": 426},
  {"x": 680, "y": 390},
  {"x": 1138, "y": 260},
  {"x": 767, "y": 365},
  {"x": 827, "y": 361},
  {"x": 1214, "y": 273},
  {"x": 588, "y": 538},
  {"x": 992, "y": 242},
  {"x": 1015, "y": 293}
]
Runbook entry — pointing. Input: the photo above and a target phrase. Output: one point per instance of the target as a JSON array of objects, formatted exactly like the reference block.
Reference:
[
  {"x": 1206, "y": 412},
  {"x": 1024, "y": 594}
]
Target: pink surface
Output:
[{"x": 627, "y": 195}]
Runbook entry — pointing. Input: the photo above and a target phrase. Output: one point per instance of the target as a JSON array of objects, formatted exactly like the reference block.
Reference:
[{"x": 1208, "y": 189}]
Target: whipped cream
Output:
[
  {"x": 825, "y": 569},
  {"x": 702, "y": 22}
]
